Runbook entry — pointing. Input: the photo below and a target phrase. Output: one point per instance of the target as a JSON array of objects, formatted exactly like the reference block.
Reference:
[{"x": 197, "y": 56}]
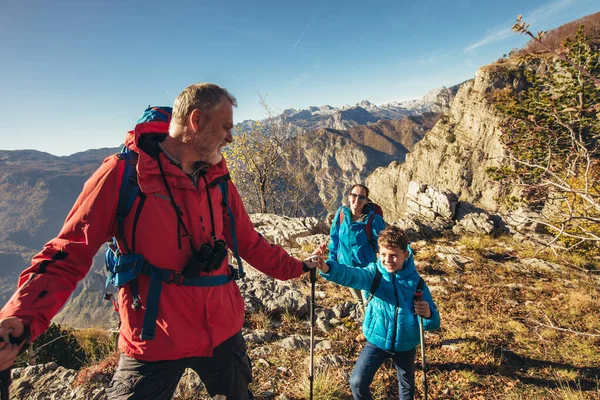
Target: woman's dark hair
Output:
[{"x": 361, "y": 186}]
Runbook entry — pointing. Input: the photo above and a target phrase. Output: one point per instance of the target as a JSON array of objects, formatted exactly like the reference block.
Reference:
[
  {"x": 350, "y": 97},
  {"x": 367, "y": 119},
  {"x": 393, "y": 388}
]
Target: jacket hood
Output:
[
  {"x": 151, "y": 129},
  {"x": 154, "y": 121}
]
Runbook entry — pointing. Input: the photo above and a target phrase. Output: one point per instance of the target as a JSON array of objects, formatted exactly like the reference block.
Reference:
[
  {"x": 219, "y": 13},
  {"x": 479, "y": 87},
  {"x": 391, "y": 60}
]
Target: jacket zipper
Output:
[{"x": 395, "y": 314}]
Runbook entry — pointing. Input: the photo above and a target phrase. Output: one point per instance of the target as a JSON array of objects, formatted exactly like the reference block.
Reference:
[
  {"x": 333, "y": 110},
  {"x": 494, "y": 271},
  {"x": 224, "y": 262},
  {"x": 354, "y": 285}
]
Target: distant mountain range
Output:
[{"x": 364, "y": 113}]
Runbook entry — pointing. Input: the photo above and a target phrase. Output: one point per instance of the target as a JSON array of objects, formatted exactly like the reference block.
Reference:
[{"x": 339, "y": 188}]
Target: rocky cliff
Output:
[
  {"x": 339, "y": 158},
  {"x": 457, "y": 151}
]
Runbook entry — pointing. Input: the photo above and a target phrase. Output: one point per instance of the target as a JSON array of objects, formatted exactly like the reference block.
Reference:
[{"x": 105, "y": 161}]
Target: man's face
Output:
[
  {"x": 392, "y": 258},
  {"x": 214, "y": 132}
]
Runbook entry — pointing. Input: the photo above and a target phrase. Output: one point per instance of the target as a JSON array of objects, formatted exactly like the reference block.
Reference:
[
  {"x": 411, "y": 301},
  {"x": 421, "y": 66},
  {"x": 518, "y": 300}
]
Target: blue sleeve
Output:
[
  {"x": 345, "y": 275},
  {"x": 432, "y": 323},
  {"x": 334, "y": 236},
  {"x": 377, "y": 226}
]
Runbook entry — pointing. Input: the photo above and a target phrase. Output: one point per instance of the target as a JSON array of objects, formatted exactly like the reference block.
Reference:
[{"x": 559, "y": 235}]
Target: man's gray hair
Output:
[{"x": 200, "y": 96}]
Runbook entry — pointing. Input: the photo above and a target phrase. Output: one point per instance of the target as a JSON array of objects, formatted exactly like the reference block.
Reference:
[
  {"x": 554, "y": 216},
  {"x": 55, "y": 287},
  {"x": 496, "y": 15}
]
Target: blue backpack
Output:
[{"x": 124, "y": 268}]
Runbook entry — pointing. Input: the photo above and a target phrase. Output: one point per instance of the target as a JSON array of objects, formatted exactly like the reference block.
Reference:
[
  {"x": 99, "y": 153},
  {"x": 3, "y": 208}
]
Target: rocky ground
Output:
[{"x": 516, "y": 324}]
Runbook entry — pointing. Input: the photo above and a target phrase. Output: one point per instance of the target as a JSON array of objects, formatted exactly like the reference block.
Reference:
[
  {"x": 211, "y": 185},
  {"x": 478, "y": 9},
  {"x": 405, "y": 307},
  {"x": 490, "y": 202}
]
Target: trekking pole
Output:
[
  {"x": 5, "y": 384},
  {"x": 313, "y": 280},
  {"x": 419, "y": 297},
  {"x": 5, "y": 375}
]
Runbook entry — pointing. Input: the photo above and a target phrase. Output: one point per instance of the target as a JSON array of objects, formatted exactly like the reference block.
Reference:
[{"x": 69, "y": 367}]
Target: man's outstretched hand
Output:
[
  {"x": 317, "y": 261},
  {"x": 11, "y": 326}
]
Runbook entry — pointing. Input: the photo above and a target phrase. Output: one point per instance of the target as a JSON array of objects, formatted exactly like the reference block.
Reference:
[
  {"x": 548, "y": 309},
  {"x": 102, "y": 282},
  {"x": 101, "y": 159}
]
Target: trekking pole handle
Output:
[
  {"x": 418, "y": 295},
  {"x": 419, "y": 290}
]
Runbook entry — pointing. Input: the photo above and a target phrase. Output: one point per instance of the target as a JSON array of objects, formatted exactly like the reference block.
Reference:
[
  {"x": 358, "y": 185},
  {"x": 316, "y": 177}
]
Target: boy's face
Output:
[{"x": 392, "y": 258}]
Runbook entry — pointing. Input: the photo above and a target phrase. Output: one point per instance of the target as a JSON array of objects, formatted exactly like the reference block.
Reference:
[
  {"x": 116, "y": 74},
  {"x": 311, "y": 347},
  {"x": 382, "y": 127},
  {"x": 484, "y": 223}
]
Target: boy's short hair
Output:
[{"x": 393, "y": 236}]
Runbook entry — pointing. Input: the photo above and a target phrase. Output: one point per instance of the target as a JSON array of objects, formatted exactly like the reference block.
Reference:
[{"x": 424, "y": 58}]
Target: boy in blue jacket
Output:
[{"x": 390, "y": 326}]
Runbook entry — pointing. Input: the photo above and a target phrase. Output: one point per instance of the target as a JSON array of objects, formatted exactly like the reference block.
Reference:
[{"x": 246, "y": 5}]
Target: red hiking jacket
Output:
[{"x": 191, "y": 320}]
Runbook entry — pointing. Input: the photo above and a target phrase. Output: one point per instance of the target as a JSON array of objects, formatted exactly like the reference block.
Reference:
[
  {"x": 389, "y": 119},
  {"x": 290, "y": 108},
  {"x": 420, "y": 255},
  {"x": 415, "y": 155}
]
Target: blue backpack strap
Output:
[
  {"x": 160, "y": 275},
  {"x": 223, "y": 185},
  {"x": 110, "y": 260},
  {"x": 128, "y": 192}
]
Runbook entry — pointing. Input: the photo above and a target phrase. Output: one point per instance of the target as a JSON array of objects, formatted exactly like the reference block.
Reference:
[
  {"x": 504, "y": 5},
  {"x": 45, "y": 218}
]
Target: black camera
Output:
[{"x": 208, "y": 258}]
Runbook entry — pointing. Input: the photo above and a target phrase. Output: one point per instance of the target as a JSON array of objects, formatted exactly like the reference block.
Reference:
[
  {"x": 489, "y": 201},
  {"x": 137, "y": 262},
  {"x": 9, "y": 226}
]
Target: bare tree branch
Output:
[{"x": 522, "y": 28}]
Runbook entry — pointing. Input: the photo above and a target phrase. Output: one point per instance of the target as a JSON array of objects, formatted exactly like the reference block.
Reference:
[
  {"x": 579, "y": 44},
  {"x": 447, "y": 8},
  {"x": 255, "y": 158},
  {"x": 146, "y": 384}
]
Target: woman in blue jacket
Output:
[
  {"x": 350, "y": 243},
  {"x": 390, "y": 326}
]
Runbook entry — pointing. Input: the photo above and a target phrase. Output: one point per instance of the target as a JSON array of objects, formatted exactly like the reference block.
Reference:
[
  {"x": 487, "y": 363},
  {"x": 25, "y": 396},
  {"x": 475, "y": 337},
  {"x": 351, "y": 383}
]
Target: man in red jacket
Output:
[{"x": 179, "y": 215}]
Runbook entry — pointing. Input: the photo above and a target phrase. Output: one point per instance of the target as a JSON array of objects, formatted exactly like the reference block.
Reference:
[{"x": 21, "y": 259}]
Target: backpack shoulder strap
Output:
[
  {"x": 218, "y": 181},
  {"x": 340, "y": 217},
  {"x": 224, "y": 186},
  {"x": 369, "y": 229},
  {"x": 128, "y": 191},
  {"x": 374, "y": 286},
  {"x": 370, "y": 226}
]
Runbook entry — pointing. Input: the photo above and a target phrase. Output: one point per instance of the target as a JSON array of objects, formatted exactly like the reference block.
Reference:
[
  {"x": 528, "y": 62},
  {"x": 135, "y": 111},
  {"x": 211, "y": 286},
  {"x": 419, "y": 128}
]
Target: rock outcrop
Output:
[
  {"x": 431, "y": 211},
  {"x": 456, "y": 153}
]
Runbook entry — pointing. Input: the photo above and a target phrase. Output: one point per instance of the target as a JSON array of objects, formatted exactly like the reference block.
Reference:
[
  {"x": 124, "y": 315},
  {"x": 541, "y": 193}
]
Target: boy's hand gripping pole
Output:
[{"x": 419, "y": 297}]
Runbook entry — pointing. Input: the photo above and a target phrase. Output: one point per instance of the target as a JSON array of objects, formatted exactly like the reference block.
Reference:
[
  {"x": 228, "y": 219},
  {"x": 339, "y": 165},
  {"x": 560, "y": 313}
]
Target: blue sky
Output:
[{"x": 76, "y": 74}]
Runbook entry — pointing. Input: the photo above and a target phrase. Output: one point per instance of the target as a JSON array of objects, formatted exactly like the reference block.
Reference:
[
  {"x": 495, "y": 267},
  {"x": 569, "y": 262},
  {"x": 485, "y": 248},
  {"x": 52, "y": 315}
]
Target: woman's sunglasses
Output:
[{"x": 360, "y": 196}]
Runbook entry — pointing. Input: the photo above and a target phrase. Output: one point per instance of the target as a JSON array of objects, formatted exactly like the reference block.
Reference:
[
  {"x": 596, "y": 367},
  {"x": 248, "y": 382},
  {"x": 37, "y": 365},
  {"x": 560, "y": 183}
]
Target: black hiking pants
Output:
[{"x": 228, "y": 372}]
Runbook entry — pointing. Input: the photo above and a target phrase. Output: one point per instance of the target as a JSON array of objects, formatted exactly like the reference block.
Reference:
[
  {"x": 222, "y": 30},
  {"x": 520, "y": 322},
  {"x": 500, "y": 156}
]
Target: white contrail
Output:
[
  {"x": 301, "y": 36},
  {"x": 537, "y": 16}
]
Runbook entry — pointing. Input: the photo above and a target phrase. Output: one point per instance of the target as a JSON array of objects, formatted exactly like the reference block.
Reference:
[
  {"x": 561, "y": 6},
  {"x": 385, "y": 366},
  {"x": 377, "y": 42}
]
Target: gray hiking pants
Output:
[{"x": 228, "y": 372}]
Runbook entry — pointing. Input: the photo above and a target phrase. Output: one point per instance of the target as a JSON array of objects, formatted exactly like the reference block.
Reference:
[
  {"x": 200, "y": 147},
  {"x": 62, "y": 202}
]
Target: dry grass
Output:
[
  {"x": 260, "y": 320},
  {"x": 97, "y": 344},
  {"x": 102, "y": 371},
  {"x": 493, "y": 343}
]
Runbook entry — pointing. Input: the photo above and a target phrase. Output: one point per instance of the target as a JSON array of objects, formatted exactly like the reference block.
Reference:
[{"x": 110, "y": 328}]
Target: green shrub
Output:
[{"x": 61, "y": 346}]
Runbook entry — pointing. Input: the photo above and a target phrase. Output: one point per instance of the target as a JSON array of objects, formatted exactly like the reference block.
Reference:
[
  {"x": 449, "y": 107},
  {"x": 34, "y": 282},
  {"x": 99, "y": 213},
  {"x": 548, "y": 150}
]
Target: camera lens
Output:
[
  {"x": 204, "y": 252},
  {"x": 219, "y": 252}
]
